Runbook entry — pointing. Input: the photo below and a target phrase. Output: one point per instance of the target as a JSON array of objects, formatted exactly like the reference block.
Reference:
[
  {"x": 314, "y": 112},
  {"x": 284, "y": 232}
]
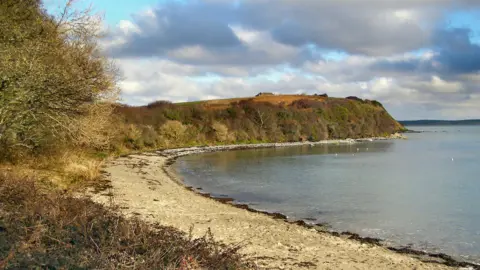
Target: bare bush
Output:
[
  {"x": 94, "y": 129},
  {"x": 172, "y": 132},
  {"x": 221, "y": 132},
  {"x": 51, "y": 74},
  {"x": 47, "y": 230}
]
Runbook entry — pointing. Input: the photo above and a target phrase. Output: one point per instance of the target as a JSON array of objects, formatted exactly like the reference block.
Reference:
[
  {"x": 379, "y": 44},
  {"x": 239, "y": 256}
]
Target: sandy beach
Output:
[{"x": 143, "y": 186}]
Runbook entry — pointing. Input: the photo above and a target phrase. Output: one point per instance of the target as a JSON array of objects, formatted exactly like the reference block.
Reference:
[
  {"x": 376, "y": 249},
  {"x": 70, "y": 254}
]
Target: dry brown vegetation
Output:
[
  {"x": 44, "y": 229},
  {"x": 56, "y": 127},
  {"x": 271, "y": 99},
  {"x": 53, "y": 80}
]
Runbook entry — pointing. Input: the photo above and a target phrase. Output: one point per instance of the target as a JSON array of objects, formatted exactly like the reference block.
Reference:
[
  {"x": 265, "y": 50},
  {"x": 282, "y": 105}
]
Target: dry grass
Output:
[
  {"x": 220, "y": 104},
  {"x": 42, "y": 229},
  {"x": 69, "y": 170},
  {"x": 79, "y": 168}
]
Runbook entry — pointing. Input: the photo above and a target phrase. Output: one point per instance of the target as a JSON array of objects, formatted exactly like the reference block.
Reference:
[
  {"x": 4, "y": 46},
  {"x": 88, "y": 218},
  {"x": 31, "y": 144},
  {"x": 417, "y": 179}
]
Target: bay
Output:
[{"x": 423, "y": 192}]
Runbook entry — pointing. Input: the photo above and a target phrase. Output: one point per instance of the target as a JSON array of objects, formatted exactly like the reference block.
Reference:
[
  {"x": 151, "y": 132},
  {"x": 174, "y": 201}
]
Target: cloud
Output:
[
  {"x": 170, "y": 26},
  {"x": 457, "y": 54},
  {"x": 369, "y": 27},
  {"x": 154, "y": 79},
  {"x": 402, "y": 53},
  {"x": 452, "y": 53},
  {"x": 258, "y": 48}
]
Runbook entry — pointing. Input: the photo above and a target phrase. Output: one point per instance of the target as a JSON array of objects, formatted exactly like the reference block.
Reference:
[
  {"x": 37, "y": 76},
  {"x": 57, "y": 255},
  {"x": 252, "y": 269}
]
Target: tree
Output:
[
  {"x": 173, "y": 132},
  {"x": 53, "y": 78},
  {"x": 221, "y": 131}
]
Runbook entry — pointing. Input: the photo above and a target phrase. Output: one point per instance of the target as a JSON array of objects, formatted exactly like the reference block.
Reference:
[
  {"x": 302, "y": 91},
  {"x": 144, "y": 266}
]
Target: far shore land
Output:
[
  {"x": 177, "y": 152},
  {"x": 145, "y": 186}
]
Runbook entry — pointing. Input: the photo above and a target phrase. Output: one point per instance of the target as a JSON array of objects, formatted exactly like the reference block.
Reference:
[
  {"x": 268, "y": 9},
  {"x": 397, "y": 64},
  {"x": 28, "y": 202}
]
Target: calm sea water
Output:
[{"x": 424, "y": 191}]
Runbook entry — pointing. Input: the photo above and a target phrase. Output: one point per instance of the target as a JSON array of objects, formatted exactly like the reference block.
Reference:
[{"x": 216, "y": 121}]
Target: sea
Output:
[{"x": 423, "y": 192}]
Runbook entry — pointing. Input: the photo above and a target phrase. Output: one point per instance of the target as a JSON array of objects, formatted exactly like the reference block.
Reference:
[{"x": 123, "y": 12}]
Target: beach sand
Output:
[{"x": 143, "y": 187}]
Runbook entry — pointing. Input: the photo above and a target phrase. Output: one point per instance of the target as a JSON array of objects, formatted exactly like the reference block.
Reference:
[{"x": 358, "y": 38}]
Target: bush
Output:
[
  {"x": 132, "y": 136},
  {"x": 221, "y": 132},
  {"x": 306, "y": 103},
  {"x": 150, "y": 136},
  {"x": 52, "y": 80},
  {"x": 172, "y": 114},
  {"x": 159, "y": 104},
  {"x": 42, "y": 229},
  {"x": 291, "y": 129},
  {"x": 376, "y": 103},
  {"x": 172, "y": 133}
]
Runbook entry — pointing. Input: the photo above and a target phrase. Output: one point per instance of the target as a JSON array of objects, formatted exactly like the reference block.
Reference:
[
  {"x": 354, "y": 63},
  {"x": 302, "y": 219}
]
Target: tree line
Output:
[{"x": 162, "y": 124}]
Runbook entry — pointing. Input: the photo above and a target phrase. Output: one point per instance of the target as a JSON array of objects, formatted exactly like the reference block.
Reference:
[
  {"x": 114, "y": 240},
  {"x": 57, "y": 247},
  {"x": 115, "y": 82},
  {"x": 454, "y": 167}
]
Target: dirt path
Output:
[{"x": 142, "y": 188}]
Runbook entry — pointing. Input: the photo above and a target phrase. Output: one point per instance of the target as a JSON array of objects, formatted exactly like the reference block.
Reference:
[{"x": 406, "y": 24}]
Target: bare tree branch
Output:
[{"x": 53, "y": 78}]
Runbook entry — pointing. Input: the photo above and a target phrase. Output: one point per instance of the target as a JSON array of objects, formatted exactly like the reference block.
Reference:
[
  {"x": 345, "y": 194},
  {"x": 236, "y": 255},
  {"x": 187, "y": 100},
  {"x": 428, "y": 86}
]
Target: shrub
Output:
[
  {"x": 94, "y": 130},
  {"x": 306, "y": 103},
  {"x": 221, "y": 131},
  {"x": 132, "y": 136},
  {"x": 355, "y": 98},
  {"x": 242, "y": 136},
  {"x": 42, "y": 229},
  {"x": 149, "y": 136},
  {"x": 52, "y": 79},
  {"x": 159, "y": 104},
  {"x": 172, "y": 114},
  {"x": 172, "y": 132},
  {"x": 376, "y": 103},
  {"x": 291, "y": 129}
]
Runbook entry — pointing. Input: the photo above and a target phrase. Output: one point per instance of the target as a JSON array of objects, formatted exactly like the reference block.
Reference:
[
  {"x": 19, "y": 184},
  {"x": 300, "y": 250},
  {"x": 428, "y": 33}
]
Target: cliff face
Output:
[{"x": 265, "y": 118}]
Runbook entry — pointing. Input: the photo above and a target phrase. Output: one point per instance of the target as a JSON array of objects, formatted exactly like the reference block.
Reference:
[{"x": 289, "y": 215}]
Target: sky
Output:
[{"x": 420, "y": 58}]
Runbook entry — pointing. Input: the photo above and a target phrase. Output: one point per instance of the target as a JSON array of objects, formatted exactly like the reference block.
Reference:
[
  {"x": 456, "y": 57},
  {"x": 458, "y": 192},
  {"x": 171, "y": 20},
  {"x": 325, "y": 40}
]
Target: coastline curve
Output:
[{"x": 270, "y": 242}]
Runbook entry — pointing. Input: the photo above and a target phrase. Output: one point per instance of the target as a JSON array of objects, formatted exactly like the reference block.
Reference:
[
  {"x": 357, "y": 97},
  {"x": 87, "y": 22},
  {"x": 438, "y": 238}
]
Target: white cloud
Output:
[
  {"x": 440, "y": 85},
  {"x": 127, "y": 27},
  {"x": 391, "y": 51}
]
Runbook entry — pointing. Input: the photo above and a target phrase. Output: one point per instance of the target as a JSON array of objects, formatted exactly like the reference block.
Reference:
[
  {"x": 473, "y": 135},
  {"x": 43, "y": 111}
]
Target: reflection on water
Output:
[{"x": 421, "y": 191}]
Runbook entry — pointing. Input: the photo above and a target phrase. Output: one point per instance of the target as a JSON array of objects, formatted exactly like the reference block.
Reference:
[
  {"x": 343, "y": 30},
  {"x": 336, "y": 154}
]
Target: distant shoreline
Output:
[
  {"x": 178, "y": 152},
  {"x": 469, "y": 122}
]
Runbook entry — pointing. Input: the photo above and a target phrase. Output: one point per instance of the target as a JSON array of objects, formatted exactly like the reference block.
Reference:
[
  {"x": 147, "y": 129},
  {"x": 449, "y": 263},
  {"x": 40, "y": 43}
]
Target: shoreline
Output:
[
  {"x": 158, "y": 163},
  {"x": 178, "y": 152},
  {"x": 173, "y": 154}
]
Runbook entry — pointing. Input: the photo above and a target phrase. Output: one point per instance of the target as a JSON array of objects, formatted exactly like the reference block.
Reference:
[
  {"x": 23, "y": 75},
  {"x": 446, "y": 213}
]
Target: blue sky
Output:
[
  {"x": 420, "y": 58},
  {"x": 118, "y": 10},
  {"x": 115, "y": 11}
]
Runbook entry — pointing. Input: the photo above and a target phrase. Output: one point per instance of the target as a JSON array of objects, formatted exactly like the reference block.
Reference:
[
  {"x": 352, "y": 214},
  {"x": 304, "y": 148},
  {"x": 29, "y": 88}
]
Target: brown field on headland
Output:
[{"x": 273, "y": 99}]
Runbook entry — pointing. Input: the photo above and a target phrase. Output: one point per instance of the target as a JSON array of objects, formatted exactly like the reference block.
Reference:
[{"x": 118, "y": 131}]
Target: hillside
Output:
[{"x": 265, "y": 118}]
